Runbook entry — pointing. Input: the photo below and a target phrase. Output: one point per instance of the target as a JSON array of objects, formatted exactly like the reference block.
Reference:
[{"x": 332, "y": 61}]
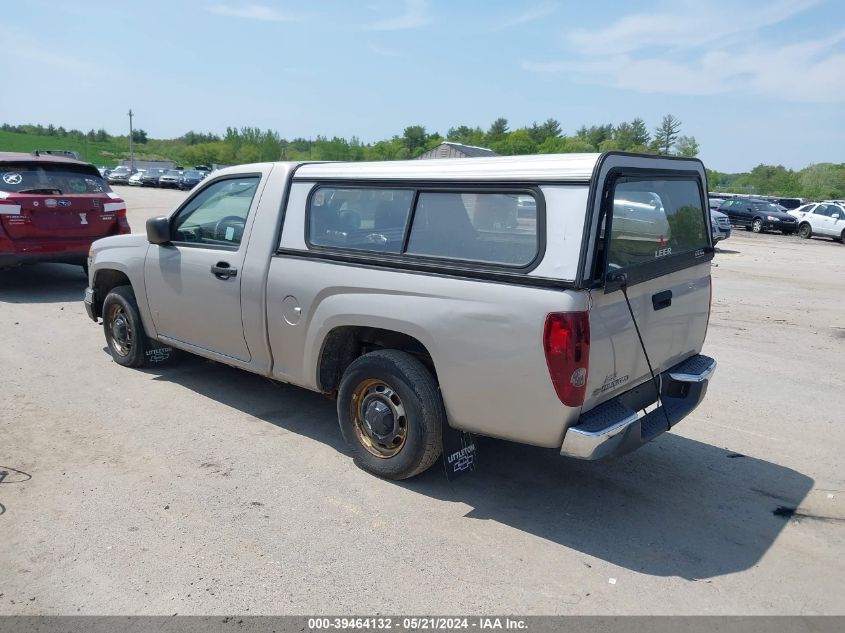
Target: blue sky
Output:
[{"x": 754, "y": 81}]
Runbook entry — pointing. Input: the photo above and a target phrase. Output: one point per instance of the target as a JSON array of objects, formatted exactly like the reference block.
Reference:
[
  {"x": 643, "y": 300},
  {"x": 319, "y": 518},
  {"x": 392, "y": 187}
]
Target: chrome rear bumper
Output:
[{"x": 615, "y": 427}]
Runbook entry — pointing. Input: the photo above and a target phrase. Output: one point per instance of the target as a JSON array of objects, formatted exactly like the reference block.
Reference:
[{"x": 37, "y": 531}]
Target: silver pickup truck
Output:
[{"x": 560, "y": 301}]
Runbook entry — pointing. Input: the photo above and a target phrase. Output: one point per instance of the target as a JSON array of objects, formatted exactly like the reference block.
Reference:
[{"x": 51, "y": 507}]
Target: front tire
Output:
[
  {"x": 391, "y": 414},
  {"x": 757, "y": 225},
  {"x": 805, "y": 231},
  {"x": 122, "y": 327}
]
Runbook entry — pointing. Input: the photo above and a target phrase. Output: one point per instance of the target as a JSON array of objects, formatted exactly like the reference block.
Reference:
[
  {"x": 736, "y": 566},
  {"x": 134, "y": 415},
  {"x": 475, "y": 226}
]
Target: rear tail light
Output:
[
  {"x": 709, "y": 302},
  {"x": 118, "y": 207},
  {"x": 122, "y": 222},
  {"x": 566, "y": 343}
]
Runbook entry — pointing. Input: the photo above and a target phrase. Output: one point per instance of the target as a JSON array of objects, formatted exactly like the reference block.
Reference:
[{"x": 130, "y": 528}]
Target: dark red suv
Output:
[{"x": 52, "y": 208}]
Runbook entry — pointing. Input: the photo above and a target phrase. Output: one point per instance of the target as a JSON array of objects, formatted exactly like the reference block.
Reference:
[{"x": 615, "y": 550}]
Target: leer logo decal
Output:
[{"x": 12, "y": 179}]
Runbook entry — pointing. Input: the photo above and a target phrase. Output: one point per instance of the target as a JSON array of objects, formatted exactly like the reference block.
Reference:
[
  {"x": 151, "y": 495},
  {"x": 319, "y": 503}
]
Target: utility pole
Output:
[{"x": 131, "y": 151}]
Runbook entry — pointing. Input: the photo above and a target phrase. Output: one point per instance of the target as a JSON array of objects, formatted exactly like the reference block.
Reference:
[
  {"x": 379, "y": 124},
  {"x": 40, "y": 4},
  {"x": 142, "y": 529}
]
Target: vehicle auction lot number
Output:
[{"x": 417, "y": 623}]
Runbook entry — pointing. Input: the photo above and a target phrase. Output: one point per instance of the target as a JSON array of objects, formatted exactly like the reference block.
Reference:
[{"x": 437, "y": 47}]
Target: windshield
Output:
[
  {"x": 51, "y": 178},
  {"x": 120, "y": 170},
  {"x": 768, "y": 207},
  {"x": 173, "y": 173},
  {"x": 192, "y": 174}
]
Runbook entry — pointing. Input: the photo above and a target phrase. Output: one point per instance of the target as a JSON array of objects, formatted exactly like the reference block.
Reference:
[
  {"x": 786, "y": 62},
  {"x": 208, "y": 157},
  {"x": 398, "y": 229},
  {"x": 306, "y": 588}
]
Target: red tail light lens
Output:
[
  {"x": 566, "y": 342},
  {"x": 122, "y": 222}
]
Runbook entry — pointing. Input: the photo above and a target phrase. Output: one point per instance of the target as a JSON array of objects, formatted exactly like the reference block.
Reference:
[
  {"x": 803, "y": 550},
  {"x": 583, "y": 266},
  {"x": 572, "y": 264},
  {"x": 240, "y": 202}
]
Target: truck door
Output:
[{"x": 193, "y": 283}]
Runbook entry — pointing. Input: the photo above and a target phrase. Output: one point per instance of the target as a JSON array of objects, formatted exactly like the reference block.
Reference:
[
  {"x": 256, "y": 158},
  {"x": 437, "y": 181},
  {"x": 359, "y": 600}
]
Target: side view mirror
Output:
[
  {"x": 158, "y": 230},
  {"x": 835, "y": 216}
]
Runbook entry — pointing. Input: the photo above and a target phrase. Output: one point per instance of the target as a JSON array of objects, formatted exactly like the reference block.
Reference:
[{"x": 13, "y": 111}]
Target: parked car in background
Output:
[
  {"x": 170, "y": 179},
  {"x": 715, "y": 203},
  {"x": 135, "y": 179},
  {"x": 104, "y": 171},
  {"x": 120, "y": 175},
  {"x": 825, "y": 219},
  {"x": 52, "y": 208},
  {"x": 758, "y": 216},
  {"x": 801, "y": 211},
  {"x": 720, "y": 225},
  {"x": 789, "y": 203},
  {"x": 191, "y": 178},
  {"x": 151, "y": 176}
]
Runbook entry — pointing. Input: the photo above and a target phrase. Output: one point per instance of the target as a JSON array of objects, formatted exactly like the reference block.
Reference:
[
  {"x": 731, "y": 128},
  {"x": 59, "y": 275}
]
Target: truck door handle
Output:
[
  {"x": 222, "y": 270},
  {"x": 661, "y": 300}
]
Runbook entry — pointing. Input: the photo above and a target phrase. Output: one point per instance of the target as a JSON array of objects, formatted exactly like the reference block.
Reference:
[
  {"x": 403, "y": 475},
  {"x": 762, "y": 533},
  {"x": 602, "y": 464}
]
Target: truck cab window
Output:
[
  {"x": 359, "y": 219},
  {"x": 217, "y": 215}
]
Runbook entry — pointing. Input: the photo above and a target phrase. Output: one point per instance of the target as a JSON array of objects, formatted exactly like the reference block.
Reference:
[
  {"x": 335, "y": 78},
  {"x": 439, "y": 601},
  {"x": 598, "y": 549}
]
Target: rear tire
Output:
[
  {"x": 805, "y": 231},
  {"x": 391, "y": 414},
  {"x": 123, "y": 328}
]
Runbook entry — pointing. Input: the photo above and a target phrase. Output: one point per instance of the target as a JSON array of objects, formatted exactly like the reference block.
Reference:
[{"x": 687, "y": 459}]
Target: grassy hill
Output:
[{"x": 106, "y": 153}]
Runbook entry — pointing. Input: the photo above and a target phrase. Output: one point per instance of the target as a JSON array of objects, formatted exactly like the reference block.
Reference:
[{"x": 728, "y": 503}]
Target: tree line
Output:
[
  {"x": 251, "y": 144},
  {"x": 248, "y": 144}
]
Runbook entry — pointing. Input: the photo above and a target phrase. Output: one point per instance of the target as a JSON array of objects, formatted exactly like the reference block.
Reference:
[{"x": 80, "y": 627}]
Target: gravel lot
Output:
[{"x": 195, "y": 488}]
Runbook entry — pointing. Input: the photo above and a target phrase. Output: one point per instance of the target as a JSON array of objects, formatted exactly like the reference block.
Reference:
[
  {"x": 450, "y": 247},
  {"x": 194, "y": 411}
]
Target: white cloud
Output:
[
  {"x": 529, "y": 15},
  {"x": 415, "y": 16},
  {"x": 384, "y": 52},
  {"x": 689, "y": 25},
  {"x": 252, "y": 12},
  {"x": 47, "y": 57},
  {"x": 702, "y": 52}
]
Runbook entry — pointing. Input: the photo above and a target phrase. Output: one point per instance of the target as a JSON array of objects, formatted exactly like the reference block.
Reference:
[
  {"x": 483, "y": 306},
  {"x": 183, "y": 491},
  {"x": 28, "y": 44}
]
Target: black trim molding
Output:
[{"x": 417, "y": 265}]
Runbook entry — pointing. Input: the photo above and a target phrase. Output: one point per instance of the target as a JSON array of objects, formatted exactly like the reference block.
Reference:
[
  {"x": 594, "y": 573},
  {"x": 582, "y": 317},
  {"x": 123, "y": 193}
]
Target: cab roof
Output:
[{"x": 543, "y": 167}]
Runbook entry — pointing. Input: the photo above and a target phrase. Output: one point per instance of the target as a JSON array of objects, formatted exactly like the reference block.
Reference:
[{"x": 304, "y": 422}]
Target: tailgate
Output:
[
  {"x": 68, "y": 216},
  {"x": 671, "y": 333},
  {"x": 654, "y": 239}
]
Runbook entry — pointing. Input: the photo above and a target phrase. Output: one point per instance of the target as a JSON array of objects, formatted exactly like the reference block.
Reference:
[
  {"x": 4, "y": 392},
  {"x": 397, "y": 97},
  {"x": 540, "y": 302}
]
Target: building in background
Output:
[
  {"x": 149, "y": 164},
  {"x": 458, "y": 150}
]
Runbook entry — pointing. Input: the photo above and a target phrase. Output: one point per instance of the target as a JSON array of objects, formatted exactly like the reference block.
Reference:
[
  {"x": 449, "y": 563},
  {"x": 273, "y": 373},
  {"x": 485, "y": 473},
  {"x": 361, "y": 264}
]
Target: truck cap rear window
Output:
[{"x": 653, "y": 219}]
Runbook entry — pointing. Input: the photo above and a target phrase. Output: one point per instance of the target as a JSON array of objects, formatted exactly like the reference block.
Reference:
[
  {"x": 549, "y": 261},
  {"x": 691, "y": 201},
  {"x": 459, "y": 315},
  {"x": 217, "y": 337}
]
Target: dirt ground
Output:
[{"x": 195, "y": 488}]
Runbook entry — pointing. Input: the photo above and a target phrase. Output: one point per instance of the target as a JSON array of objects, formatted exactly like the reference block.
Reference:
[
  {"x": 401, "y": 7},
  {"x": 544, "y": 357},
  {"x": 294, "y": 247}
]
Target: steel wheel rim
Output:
[
  {"x": 120, "y": 330},
  {"x": 379, "y": 418},
  {"x": 804, "y": 231}
]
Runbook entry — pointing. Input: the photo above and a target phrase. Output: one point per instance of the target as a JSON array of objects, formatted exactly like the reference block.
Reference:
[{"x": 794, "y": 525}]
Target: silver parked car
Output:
[
  {"x": 430, "y": 298},
  {"x": 721, "y": 226}
]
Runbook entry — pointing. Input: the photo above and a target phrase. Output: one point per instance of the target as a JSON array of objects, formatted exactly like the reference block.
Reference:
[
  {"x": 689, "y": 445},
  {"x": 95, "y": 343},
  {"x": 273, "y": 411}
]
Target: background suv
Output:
[
  {"x": 120, "y": 175},
  {"x": 52, "y": 208}
]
